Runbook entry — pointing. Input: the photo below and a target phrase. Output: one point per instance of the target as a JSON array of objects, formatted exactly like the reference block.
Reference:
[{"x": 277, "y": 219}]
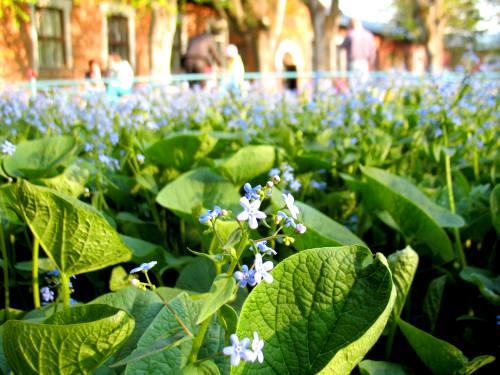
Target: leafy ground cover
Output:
[{"x": 261, "y": 233}]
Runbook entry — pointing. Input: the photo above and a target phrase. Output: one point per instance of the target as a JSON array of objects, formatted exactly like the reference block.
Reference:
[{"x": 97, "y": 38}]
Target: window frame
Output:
[
  {"x": 65, "y": 7},
  {"x": 123, "y": 10},
  {"x": 44, "y": 38}
]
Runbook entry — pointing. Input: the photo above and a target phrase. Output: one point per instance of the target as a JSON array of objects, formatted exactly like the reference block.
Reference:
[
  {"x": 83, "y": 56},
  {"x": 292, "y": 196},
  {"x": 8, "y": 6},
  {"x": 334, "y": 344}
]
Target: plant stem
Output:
[
  {"x": 198, "y": 339},
  {"x": 34, "y": 273},
  {"x": 65, "y": 292},
  {"x": 241, "y": 248},
  {"x": 5, "y": 272},
  {"x": 451, "y": 201}
]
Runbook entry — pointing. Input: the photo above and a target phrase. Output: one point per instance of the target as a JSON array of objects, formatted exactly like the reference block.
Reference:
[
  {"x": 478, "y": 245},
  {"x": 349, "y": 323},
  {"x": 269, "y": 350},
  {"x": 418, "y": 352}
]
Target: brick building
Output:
[{"x": 61, "y": 36}]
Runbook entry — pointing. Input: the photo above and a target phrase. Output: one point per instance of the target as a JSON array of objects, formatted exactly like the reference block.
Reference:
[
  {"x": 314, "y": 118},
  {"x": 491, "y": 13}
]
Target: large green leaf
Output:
[
  {"x": 180, "y": 151},
  {"x": 166, "y": 324},
  {"x": 197, "y": 190},
  {"x": 143, "y": 305},
  {"x": 221, "y": 292},
  {"x": 73, "y": 234},
  {"x": 7, "y": 203},
  {"x": 440, "y": 356},
  {"x": 197, "y": 276},
  {"x": 324, "y": 310},
  {"x": 76, "y": 340},
  {"x": 248, "y": 163},
  {"x": 41, "y": 158},
  {"x": 419, "y": 219},
  {"x": 403, "y": 266},
  {"x": 369, "y": 367},
  {"x": 486, "y": 281},
  {"x": 322, "y": 230}
]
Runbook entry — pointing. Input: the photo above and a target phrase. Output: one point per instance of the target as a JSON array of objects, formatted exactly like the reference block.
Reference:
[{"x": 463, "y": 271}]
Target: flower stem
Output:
[
  {"x": 241, "y": 248},
  {"x": 5, "y": 272},
  {"x": 451, "y": 202},
  {"x": 198, "y": 339},
  {"x": 65, "y": 292},
  {"x": 34, "y": 273}
]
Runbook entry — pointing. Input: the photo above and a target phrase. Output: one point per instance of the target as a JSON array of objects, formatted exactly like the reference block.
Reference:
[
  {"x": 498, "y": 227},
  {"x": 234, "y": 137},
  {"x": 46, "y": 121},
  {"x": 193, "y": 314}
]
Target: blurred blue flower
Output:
[{"x": 144, "y": 267}]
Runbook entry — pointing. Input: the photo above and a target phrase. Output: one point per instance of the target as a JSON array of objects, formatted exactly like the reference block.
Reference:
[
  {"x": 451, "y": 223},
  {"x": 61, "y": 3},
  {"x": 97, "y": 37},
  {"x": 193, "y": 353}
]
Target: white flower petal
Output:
[
  {"x": 252, "y": 222},
  {"x": 235, "y": 359},
  {"x": 242, "y": 216},
  {"x": 268, "y": 278},
  {"x": 228, "y": 350},
  {"x": 260, "y": 215}
]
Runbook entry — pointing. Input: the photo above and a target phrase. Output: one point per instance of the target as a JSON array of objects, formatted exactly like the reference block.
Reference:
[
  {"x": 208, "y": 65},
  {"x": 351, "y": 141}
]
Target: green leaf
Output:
[
  {"x": 478, "y": 362},
  {"x": 158, "y": 346},
  {"x": 44, "y": 265},
  {"x": 180, "y": 151},
  {"x": 228, "y": 318},
  {"x": 495, "y": 207},
  {"x": 71, "y": 182},
  {"x": 403, "y": 265},
  {"x": 165, "y": 324},
  {"x": 418, "y": 218},
  {"x": 197, "y": 276},
  {"x": 41, "y": 158},
  {"x": 324, "y": 310},
  {"x": 221, "y": 292},
  {"x": 198, "y": 189},
  {"x": 8, "y": 204},
  {"x": 248, "y": 163},
  {"x": 204, "y": 368},
  {"x": 75, "y": 340},
  {"x": 432, "y": 300},
  {"x": 119, "y": 279},
  {"x": 213, "y": 344},
  {"x": 143, "y": 305},
  {"x": 73, "y": 234},
  {"x": 439, "y": 356},
  {"x": 369, "y": 367},
  {"x": 488, "y": 284},
  {"x": 4, "y": 366},
  {"x": 322, "y": 230}
]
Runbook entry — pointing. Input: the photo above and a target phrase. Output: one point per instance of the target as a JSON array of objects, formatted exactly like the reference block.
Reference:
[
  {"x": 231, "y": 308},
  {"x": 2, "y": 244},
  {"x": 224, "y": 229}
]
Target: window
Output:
[
  {"x": 118, "y": 36},
  {"x": 50, "y": 33},
  {"x": 118, "y": 31}
]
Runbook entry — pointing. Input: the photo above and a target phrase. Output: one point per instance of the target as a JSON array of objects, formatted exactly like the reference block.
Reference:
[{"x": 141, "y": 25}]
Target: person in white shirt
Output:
[{"x": 122, "y": 76}]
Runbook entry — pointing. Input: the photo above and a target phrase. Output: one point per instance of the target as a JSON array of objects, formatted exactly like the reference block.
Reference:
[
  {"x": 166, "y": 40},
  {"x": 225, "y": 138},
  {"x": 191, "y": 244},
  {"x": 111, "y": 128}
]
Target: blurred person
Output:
[
  {"x": 290, "y": 67},
  {"x": 202, "y": 56},
  {"x": 95, "y": 76},
  {"x": 234, "y": 77},
  {"x": 121, "y": 75},
  {"x": 359, "y": 44}
]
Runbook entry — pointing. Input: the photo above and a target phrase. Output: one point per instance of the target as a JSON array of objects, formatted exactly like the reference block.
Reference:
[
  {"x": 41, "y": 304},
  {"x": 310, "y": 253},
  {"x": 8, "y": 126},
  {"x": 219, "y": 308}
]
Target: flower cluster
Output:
[
  {"x": 211, "y": 215},
  {"x": 239, "y": 350},
  {"x": 288, "y": 176},
  {"x": 7, "y": 148}
]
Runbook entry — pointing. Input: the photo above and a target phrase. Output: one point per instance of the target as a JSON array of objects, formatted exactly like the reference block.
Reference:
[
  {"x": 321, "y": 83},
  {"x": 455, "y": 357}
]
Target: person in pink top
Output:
[{"x": 360, "y": 47}]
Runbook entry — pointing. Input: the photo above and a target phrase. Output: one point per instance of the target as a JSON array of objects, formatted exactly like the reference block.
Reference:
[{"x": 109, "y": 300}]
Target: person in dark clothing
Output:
[
  {"x": 201, "y": 56},
  {"x": 290, "y": 67}
]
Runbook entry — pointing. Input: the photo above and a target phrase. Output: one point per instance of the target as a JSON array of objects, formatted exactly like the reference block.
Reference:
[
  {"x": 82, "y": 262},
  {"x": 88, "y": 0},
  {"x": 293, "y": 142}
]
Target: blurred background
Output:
[{"x": 58, "y": 39}]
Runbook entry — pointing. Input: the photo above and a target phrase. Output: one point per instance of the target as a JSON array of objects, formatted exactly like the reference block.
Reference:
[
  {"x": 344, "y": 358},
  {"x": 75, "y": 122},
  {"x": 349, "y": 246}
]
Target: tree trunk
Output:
[
  {"x": 433, "y": 18},
  {"x": 161, "y": 36},
  {"x": 268, "y": 36},
  {"x": 325, "y": 24}
]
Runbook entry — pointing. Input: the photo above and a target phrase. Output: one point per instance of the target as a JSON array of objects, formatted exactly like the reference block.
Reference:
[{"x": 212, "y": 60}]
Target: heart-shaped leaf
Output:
[
  {"x": 73, "y": 234},
  {"x": 165, "y": 324},
  {"x": 198, "y": 189},
  {"x": 248, "y": 163},
  {"x": 324, "y": 310},
  {"x": 76, "y": 340},
  {"x": 41, "y": 158},
  {"x": 419, "y": 219},
  {"x": 180, "y": 151},
  {"x": 221, "y": 292}
]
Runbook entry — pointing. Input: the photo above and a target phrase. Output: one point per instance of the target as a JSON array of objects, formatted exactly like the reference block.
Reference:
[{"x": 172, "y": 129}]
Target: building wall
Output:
[{"x": 15, "y": 47}]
